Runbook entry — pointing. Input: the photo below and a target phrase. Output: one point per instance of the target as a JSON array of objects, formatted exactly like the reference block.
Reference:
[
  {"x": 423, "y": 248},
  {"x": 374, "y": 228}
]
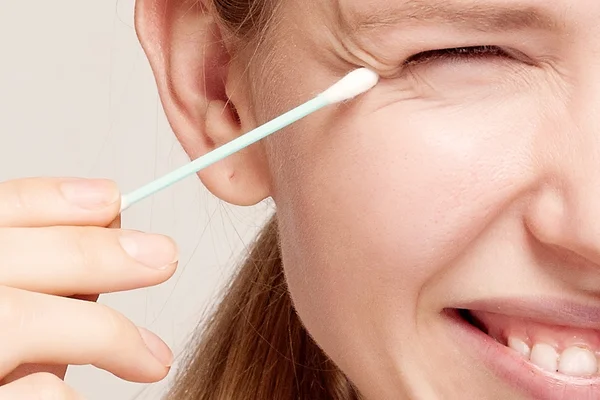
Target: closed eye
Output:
[{"x": 458, "y": 54}]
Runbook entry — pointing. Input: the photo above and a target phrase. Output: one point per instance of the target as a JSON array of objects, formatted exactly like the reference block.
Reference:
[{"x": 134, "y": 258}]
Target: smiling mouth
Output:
[
  {"x": 542, "y": 348},
  {"x": 556, "y": 349}
]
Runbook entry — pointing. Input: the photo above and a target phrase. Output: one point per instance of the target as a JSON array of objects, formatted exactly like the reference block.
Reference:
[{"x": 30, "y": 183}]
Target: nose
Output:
[{"x": 565, "y": 213}]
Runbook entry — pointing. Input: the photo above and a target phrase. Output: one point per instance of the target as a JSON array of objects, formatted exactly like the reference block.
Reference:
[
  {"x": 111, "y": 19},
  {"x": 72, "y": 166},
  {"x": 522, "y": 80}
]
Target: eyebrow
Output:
[{"x": 476, "y": 15}]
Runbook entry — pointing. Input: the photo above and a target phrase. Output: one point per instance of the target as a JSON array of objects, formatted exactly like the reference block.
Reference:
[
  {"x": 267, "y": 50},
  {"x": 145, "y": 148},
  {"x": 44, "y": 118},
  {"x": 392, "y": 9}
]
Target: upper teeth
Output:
[
  {"x": 576, "y": 361},
  {"x": 545, "y": 357},
  {"x": 520, "y": 346},
  {"x": 573, "y": 361}
]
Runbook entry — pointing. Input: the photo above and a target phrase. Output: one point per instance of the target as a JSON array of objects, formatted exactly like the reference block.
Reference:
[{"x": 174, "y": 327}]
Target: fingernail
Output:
[
  {"x": 90, "y": 193},
  {"x": 157, "y": 347},
  {"x": 154, "y": 251}
]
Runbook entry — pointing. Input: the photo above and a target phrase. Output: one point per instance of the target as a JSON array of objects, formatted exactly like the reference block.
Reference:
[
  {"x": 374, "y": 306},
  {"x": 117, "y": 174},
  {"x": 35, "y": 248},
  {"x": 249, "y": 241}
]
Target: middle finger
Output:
[{"x": 83, "y": 260}]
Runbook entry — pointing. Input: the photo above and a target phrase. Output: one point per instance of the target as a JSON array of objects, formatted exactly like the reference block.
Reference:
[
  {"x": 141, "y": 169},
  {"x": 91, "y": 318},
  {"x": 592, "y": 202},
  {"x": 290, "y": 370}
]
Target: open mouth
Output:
[
  {"x": 545, "y": 350},
  {"x": 558, "y": 349}
]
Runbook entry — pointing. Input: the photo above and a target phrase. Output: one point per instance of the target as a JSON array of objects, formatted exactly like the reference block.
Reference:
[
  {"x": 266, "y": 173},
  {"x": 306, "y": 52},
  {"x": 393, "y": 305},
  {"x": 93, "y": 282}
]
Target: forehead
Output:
[
  {"x": 480, "y": 14},
  {"x": 352, "y": 14}
]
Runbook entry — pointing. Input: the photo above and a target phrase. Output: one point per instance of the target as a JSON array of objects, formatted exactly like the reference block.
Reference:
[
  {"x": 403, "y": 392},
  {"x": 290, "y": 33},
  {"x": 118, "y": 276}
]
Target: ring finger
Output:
[{"x": 45, "y": 329}]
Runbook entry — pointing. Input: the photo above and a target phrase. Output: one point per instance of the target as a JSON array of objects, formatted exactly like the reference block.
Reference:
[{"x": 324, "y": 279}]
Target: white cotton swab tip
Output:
[{"x": 355, "y": 83}]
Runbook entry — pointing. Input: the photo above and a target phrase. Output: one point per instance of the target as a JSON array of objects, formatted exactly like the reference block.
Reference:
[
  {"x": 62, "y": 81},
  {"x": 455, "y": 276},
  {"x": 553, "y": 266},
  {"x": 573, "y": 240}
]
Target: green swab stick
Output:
[{"x": 350, "y": 86}]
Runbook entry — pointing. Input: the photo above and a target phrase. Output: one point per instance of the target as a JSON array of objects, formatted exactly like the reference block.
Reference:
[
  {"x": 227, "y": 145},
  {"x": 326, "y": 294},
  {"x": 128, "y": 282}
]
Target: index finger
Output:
[{"x": 38, "y": 202}]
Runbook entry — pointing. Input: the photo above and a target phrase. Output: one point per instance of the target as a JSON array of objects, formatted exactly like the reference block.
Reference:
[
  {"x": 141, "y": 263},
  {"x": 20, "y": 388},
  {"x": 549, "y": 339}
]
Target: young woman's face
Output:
[{"x": 468, "y": 179}]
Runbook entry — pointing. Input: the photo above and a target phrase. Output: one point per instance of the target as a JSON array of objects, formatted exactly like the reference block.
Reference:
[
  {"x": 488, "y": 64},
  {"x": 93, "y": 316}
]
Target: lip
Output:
[
  {"x": 544, "y": 310},
  {"x": 508, "y": 365}
]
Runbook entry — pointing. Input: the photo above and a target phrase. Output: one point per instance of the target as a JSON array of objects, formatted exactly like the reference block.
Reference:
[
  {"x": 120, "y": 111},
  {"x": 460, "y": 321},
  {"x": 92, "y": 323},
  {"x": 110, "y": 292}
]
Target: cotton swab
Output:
[{"x": 350, "y": 86}]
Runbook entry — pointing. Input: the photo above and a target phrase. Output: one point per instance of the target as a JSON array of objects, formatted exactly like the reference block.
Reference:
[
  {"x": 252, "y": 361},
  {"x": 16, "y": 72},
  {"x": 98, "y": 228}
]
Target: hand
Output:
[{"x": 55, "y": 255}]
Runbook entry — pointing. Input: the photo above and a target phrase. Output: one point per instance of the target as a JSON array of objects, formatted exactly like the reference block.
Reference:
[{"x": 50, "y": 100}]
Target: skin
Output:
[
  {"x": 450, "y": 182},
  {"x": 78, "y": 253},
  {"x": 454, "y": 180}
]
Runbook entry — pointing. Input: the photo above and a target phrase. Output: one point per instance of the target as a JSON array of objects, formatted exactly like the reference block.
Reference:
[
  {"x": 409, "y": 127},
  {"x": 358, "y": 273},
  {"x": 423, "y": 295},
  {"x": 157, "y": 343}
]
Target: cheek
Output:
[{"x": 379, "y": 202}]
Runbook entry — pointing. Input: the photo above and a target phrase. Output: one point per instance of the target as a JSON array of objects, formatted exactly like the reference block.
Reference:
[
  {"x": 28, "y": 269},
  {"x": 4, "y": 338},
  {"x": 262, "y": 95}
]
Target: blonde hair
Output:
[{"x": 254, "y": 345}]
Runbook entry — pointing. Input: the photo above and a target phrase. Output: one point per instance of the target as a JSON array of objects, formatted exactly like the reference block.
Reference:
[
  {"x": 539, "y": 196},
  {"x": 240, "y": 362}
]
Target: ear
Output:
[{"x": 206, "y": 102}]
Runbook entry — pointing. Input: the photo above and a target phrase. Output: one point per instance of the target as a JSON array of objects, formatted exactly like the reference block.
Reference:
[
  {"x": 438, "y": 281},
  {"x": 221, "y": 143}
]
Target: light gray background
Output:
[{"x": 77, "y": 98}]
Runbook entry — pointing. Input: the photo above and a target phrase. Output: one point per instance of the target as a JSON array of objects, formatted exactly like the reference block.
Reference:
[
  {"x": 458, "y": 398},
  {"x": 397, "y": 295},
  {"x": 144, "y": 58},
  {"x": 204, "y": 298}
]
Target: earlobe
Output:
[{"x": 191, "y": 66}]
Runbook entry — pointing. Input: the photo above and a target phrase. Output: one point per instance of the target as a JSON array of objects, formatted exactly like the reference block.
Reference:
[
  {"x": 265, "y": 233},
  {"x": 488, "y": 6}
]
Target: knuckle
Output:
[
  {"x": 47, "y": 386},
  {"x": 94, "y": 248},
  {"x": 80, "y": 247},
  {"x": 11, "y": 313},
  {"x": 81, "y": 255},
  {"x": 19, "y": 198},
  {"x": 115, "y": 326}
]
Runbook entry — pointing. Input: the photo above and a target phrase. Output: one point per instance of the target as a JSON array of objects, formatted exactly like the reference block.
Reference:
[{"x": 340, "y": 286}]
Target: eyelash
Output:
[{"x": 457, "y": 54}]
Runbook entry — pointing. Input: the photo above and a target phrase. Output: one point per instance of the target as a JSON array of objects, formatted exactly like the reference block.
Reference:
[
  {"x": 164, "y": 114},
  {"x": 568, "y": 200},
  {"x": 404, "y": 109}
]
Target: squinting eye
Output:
[{"x": 458, "y": 54}]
